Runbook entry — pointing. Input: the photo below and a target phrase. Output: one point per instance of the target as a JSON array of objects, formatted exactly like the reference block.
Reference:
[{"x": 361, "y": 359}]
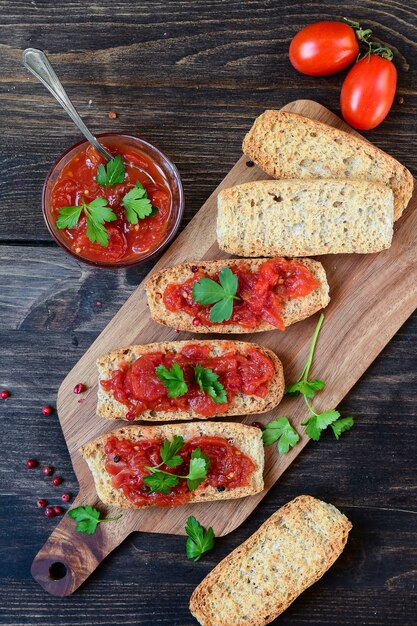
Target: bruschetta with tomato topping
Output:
[
  {"x": 237, "y": 295},
  {"x": 142, "y": 466},
  {"x": 184, "y": 380}
]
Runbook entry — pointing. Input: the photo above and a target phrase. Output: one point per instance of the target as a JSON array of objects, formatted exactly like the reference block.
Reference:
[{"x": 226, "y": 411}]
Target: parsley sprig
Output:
[
  {"x": 172, "y": 379},
  {"x": 96, "y": 213},
  {"x": 317, "y": 422},
  {"x": 137, "y": 204},
  {"x": 207, "y": 291},
  {"x": 112, "y": 173},
  {"x": 209, "y": 382},
  {"x": 88, "y": 518},
  {"x": 199, "y": 540},
  {"x": 280, "y": 430},
  {"x": 162, "y": 481}
]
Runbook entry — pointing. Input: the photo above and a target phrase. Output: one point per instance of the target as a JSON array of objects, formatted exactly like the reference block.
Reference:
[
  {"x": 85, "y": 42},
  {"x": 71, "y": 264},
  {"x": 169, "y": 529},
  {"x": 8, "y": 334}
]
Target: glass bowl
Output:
[{"x": 165, "y": 168}]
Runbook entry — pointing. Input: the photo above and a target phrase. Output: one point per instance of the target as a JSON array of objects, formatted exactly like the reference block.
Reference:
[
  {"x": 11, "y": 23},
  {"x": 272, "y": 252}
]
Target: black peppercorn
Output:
[
  {"x": 116, "y": 459},
  {"x": 221, "y": 488}
]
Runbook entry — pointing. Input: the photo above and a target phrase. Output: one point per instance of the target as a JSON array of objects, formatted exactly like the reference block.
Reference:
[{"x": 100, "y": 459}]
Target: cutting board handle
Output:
[{"x": 68, "y": 557}]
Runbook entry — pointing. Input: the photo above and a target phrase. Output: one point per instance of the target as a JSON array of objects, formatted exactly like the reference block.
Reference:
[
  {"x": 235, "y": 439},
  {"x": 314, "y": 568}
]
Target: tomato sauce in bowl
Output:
[{"x": 72, "y": 182}]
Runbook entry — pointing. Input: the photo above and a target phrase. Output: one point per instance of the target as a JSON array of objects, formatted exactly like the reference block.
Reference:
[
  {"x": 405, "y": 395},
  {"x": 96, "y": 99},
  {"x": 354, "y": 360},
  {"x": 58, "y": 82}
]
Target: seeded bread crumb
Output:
[
  {"x": 264, "y": 575},
  {"x": 304, "y": 217},
  {"x": 288, "y": 145}
]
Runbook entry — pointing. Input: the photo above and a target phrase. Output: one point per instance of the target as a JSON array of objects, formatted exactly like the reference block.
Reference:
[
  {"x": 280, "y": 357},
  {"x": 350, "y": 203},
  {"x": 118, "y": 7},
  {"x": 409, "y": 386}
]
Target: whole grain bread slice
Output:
[
  {"x": 304, "y": 217},
  {"x": 288, "y": 145},
  {"x": 264, "y": 575},
  {"x": 241, "y": 404},
  {"x": 295, "y": 309},
  {"x": 246, "y": 438}
]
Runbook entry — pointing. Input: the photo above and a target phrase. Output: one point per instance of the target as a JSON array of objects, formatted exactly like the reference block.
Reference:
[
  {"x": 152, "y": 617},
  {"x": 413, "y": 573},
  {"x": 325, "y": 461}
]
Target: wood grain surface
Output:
[
  {"x": 371, "y": 297},
  {"x": 189, "y": 76}
]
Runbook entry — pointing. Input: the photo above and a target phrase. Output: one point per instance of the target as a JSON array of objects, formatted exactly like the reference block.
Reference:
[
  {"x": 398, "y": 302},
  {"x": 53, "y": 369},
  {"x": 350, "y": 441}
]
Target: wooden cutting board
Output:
[{"x": 371, "y": 297}]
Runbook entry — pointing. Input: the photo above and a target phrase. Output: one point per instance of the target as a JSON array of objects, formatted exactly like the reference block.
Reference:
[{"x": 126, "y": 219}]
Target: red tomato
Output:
[
  {"x": 368, "y": 92},
  {"x": 324, "y": 48},
  {"x": 116, "y": 248}
]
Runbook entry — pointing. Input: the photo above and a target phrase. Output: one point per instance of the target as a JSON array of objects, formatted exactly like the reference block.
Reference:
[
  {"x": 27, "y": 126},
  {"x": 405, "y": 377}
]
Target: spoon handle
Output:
[{"x": 37, "y": 63}]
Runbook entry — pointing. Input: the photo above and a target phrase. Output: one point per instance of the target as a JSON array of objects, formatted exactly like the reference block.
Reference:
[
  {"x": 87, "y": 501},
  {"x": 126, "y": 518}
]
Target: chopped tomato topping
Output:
[
  {"x": 262, "y": 292},
  {"x": 126, "y": 462},
  {"x": 138, "y": 387}
]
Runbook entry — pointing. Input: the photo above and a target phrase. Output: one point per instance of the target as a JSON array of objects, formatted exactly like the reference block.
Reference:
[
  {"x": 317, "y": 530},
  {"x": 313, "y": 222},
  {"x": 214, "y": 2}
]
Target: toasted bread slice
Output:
[
  {"x": 295, "y": 309},
  {"x": 264, "y": 575},
  {"x": 304, "y": 217},
  {"x": 246, "y": 438},
  {"x": 287, "y": 145},
  {"x": 241, "y": 404}
]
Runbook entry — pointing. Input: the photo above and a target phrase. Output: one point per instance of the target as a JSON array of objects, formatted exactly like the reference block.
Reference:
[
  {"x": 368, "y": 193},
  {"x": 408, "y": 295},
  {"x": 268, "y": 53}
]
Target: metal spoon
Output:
[{"x": 37, "y": 63}]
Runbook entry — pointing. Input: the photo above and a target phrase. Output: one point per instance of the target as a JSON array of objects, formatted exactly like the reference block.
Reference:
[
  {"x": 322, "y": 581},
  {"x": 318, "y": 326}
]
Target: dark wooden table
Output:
[{"x": 190, "y": 76}]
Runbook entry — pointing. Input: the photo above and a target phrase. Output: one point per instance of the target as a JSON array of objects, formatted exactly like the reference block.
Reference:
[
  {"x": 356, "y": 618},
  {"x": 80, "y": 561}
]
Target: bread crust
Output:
[
  {"x": 295, "y": 310},
  {"x": 289, "y": 145},
  {"x": 265, "y": 574},
  {"x": 246, "y": 438},
  {"x": 241, "y": 404}
]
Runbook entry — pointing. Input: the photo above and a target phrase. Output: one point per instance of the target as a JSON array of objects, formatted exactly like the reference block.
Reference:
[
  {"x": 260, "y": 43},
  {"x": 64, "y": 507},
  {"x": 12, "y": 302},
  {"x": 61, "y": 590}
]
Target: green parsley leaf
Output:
[
  {"x": 342, "y": 425},
  {"x": 206, "y": 292},
  {"x": 221, "y": 311},
  {"x": 209, "y": 382},
  {"x": 172, "y": 379},
  {"x": 307, "y": 388},
  {"x": 169, "y": 451},
  {"x": 68, "y": 216},
  {"x": 199, "y": 540},
  {"x": 137, "y": 204},
  {"x": 280, "y": 430},
  {"x": 160, "y": 481},
  {"x": 228, "y": 280},
  {"x": 96, "y": 213},
  {"x": 111, "y": 174},
  {"x": 199, "y": 464},
  {"x": 315, "y": 424},
  {"x": 88, "y": 518}
]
